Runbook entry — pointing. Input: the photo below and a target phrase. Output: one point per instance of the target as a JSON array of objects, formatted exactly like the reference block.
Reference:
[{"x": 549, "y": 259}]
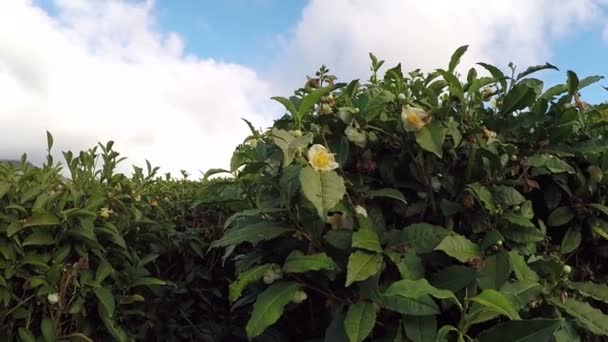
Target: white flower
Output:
[
  {"x": 53, "y": 298},
  {"x": 361, "y": 211},
  {"x": 413, "y": 118},
  {"x": 320, "y": 159},
  {"x": 532, "y": 130}
]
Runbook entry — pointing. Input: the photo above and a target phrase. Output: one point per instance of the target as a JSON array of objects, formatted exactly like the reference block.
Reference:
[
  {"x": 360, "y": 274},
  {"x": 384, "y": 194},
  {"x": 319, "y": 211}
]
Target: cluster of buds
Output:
[
  {"x": 327, "y": 104},
  {"x": 488, "y": 134},
  {"x": 272, "y": 274}
]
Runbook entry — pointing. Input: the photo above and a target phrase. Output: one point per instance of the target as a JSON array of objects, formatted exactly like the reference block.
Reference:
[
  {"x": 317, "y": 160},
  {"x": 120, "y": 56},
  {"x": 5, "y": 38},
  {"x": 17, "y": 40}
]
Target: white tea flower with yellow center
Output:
[
  {"x": 413, "y": 118},
  {"x": 320, "y": 159}
]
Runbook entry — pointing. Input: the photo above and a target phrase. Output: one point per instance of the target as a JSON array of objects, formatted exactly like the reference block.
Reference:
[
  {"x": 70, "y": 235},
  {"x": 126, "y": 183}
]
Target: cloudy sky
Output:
[{"x": 169, "y": 80}]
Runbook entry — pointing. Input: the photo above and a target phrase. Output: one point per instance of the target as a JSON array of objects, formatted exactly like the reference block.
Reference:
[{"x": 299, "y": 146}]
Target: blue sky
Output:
[{"x": 167, "y": 79}]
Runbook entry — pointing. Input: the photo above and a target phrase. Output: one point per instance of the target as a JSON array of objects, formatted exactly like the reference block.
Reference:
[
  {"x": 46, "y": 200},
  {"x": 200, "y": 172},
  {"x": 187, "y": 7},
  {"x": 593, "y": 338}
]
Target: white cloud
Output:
[
  {"x": 102, "y": 70},
  {"x": 423, "y": 34},
  {"x": 605, "y": 34}
]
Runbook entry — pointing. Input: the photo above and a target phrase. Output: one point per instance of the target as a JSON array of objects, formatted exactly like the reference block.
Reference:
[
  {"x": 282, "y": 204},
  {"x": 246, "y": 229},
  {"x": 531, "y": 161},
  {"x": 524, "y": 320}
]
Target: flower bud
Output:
[
  {"x": 299, "y": 297},
  {"x": 567, "y": 269},
  {"x": 361, "y": 211},
  {"x": 401, "y": 97},
  {"x": 53, "y": 298}
]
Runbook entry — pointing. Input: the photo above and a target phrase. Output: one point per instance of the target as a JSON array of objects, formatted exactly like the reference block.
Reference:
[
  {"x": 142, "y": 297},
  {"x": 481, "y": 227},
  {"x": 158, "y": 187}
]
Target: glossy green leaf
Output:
[
  {"x": 269, "y": 306},
  {"x": 324, "y": 189},
  {"x": 431, "y": 138},
  {"x": 48, "y": 330},
  {"x": 495, "y": 271},
  {"x": 521, "y": 268},
  {"x": 366, "y": 238},
  {"x": 560, "y": 216},
  {"x": 388, "y": 193},
  {"x": 528, "y": 330},
  {"x": 41, "y": 219},
  {"x": 359, "y": 321},
  {"x": 459, "y": 247},
  {"x": 590, "y": 289},
  {"x": 589, "y": 317},
  {"x": 106, "y": 300},
  {"x": 250, "y": 276},
  {"x": 420, "y": 328},
  {"x": 572, "y": 239},
  {"x": 362, "y": 265},
  {"x": 253, "y": 234},
  {"x": 297, "y": 262},
  {"x": 497, "y": 302}
]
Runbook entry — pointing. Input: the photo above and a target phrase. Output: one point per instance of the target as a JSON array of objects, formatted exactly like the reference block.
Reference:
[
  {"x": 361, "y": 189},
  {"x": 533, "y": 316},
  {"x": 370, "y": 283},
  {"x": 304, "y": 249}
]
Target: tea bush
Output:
[
  {"x": 101, "y": 256},
  {"x": 424, "y": 207},
  {"x": 409, "y": 207}
]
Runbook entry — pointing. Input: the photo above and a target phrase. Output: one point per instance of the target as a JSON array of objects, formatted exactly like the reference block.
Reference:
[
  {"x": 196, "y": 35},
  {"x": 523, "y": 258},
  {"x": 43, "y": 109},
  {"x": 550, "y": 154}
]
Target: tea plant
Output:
[{"x": 423, "y": 207}]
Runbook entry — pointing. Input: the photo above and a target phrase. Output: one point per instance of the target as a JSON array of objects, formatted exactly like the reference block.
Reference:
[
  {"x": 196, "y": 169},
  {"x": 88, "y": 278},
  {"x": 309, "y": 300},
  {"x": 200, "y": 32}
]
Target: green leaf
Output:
[
  {"x": 4, "y": 188},
  {"x": 297, "y": 262},
  {"x": 550, "y": 163},
  {"x": 106, "y": 299},
  {"x": 517, "y": 220},
  {"x": 249, "y": 213},
  {"x": 519, "y": 97},
  {"x": 459, "y": 247},
  {"x": 593, "y": 290},
  {"x": 535, "y": 68},
  {"x": 560, "y": 216},
  {"x": 431, "y": 138},
  {"x": 496, "y": 73},
  {"x": 252, "y": 233},
  {"x": 483, "y": 195},
  {"x": 422, "y": 237},
  {"x": 599, "y": 207},
  {"x": 413, "y": 289},
  {"x": 589, "y": 80},
  {"x": 309, "y": 101},
  {"x": 359, "y": 321},
  {"x": 48, "y": 330},
  {"x": 26, "y": 335},
  {"x": 572, "y": 82},
  {"x": 554, "y": 91},
  {"x": 362, "y": 265},
  {"x": 290, "y": 144},
  {"x": 497, "y": 302},
  {"x": 455, "y": 59},
  {"x": 571, "y": 240},
  {"x": 148, "y": 281},
  {"x": 366, "y": 238},
  {"x": 39, "y": 238},
  {"x": 41, "y": 219},
  {"x": 291, "y": 108},
  {"x": 454, "y": 278},
  {"x": 589, "y": 317},
  {"x": 408, "y": 263},
  {"x": 336, "y": 332},
  {"x": 507, "y": 196},
  {"x": 420, "y": 328},
  {"x": 521, "y": 268},
  {"x": 495, "y": 271},
  {"x": 244, "y": 279},
  {"x": 114, "y": 329},
  {"x": 324, "y": 189},
  {"x": 387, "y": 192},
  {"x": 269, "y": 306},
  {"x": 527, "y": 330},
  {"x": 523, "y": 234},
  {"x": 419, "y": 306}
]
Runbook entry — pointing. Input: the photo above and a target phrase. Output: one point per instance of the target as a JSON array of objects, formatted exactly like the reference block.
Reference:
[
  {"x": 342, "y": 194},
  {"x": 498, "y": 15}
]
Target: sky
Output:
[{"x": 169, "y": 81}]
